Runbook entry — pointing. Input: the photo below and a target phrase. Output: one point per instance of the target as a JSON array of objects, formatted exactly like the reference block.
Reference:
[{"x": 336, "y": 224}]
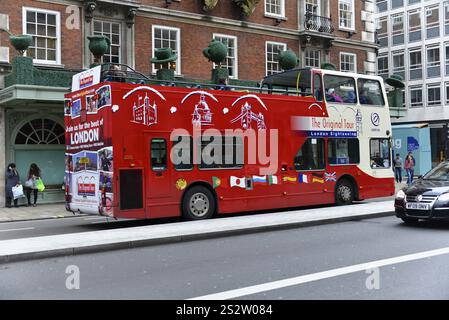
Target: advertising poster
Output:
[{"x": 89, "y": 154}]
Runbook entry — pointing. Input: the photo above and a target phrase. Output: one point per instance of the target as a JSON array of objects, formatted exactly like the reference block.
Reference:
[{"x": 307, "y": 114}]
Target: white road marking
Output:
[
  {"x": 18, "y": 229},
  {"x": 320, "y": 275}
]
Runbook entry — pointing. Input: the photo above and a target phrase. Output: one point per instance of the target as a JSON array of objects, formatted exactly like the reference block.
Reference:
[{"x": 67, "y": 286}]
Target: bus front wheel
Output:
[
  {"x": 198, "y": 203},
  {"x": 344, "y": 193}
]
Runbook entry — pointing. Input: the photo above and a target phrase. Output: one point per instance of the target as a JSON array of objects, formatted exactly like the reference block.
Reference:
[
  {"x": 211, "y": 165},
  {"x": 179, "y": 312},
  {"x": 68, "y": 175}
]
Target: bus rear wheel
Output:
[
  {"x": 344, "y": 192},
  {"x": 198, "y": 203}
]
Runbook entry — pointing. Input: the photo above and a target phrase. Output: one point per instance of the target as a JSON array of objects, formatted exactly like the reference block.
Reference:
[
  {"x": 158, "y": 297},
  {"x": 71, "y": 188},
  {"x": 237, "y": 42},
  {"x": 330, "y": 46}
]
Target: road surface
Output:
[{"x": 254, "y": 263}]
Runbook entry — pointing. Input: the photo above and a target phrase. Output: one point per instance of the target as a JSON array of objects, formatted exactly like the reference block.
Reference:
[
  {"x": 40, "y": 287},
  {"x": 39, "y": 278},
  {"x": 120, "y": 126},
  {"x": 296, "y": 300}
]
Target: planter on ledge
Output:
[
  {"x": 98, "y": 45},
  {"x": 21, "y": 42}
]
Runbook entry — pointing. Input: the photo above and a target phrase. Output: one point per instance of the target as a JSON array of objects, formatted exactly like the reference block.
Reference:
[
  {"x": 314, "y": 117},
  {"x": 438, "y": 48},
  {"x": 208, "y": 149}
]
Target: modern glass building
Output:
[{"x": 414, "y": 42}]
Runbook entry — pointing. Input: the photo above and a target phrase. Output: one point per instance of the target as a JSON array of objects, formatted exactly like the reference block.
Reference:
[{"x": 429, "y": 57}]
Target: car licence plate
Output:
[{"x": 418, "y": 206}]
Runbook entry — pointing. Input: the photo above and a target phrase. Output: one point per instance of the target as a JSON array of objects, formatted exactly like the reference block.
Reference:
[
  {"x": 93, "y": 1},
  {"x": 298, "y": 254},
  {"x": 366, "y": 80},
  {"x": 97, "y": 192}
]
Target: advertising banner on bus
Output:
[
  {"x": 89, "y": 152},
  {"x": 86, "y": 78}
]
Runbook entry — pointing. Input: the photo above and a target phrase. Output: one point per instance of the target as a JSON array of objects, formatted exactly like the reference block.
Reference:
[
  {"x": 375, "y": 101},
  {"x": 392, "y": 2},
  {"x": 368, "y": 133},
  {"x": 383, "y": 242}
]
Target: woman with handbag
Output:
[
  {"x": 31, "y": 184},
  {"x": 12, "y": 181}
]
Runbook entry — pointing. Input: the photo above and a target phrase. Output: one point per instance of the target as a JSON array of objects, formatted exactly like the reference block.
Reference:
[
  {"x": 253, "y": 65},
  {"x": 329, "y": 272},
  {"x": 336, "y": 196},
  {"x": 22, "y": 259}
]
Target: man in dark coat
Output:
[{"x": 12, "y": 180}]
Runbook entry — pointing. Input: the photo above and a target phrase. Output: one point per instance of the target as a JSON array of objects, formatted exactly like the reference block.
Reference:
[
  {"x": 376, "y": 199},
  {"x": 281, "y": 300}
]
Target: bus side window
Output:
[
  {"x": 182, "y": 153},
  {"x": 219, "y": 152},
  {"x": 317, "y": 88},
  {"x": 311, "y": 155},
  {"x": 380, "y": 153},
  {"x": 341, "y": 151},
  {"x": 158, "y": 154},
  {"x": 370, "y": 92},
  {"x": 340, "y": 89}
]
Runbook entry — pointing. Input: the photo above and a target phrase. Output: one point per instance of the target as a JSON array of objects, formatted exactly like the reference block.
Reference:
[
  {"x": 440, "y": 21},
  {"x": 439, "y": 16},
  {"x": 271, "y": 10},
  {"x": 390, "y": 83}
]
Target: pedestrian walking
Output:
[
  {"x": 409, "y": 167},
  {"x": 31, "y": 185},
  {"x": 12, "y": 180},
  {"x": 398, "y": 168}
]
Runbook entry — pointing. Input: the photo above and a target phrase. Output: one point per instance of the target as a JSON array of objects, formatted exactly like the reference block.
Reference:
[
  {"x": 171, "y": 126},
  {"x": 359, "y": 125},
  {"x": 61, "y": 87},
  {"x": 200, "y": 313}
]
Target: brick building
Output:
[{"x": 338, "y": 31}]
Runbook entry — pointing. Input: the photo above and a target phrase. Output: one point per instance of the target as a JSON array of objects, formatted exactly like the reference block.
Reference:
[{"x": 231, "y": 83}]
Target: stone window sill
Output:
[
  {"x": 275, "y": 17},
  {"x": 49, "y": 66}
]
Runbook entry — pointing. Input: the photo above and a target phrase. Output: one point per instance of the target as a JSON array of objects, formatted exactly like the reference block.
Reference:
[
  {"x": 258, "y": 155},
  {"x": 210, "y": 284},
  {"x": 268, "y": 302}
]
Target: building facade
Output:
[
  {"x": 341, "y": 32},
  {"x": 414, "y": 42}
]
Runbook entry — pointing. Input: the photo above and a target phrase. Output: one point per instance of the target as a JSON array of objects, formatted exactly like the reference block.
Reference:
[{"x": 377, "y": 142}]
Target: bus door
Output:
[
  {"x": 158, "y": 177},
  {"x": 130, "y": 187}
]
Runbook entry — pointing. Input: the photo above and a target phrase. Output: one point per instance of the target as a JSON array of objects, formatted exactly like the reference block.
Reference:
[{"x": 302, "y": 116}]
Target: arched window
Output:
[{"x": 41, "y": 131}]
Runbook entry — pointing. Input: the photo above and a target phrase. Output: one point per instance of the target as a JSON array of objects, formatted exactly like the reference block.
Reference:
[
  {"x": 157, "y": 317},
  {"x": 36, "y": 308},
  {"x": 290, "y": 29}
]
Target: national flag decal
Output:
[
  {"x": 330, "y": 176},
  {"x": 259, "y": 180},
  {"x": 289, "y": 179},
  {"x": 216, "y": 182},
  {"x": 303, "y": 178},
  {"x": 273, "y": 180},
  {"x": 319, "y": 180},
  {"x": 238, "y": 182},
  {"x": 317, "y": 177}
]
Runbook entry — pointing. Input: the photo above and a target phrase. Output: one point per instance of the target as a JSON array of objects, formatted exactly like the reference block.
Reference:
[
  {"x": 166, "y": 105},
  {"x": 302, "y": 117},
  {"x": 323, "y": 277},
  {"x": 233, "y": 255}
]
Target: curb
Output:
[
  {"x": 43, "y": 218},
  {"x": 181, "y": 238}
]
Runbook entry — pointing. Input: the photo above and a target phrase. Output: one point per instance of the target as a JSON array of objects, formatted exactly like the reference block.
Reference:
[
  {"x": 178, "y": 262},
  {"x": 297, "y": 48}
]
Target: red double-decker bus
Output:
[{"x": 305, "y": 137}]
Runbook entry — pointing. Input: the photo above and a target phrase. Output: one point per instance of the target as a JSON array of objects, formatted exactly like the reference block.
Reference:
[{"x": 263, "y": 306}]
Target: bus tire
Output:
[
  {"x": 344, "y": 192},
  {"x": 198, "y": 203}
]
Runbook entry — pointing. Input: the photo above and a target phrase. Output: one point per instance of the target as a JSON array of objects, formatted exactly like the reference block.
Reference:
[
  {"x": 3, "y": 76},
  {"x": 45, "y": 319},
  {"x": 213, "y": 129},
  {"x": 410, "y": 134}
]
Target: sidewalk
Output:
[
  {"x": 125, "y": 238},
  {"x": 41, "y": 211}
]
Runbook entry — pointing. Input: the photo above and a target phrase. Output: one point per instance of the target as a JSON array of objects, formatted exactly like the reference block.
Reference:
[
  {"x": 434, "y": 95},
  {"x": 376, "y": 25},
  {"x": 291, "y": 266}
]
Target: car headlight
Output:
[
  {"x": 400, "y": 195},
  {"x": 444, "y": 197}
]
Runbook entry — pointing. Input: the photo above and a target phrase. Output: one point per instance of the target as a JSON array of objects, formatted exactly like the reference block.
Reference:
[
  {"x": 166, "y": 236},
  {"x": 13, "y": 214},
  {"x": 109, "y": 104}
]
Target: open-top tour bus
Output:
[{"x": 138, "y": 148}]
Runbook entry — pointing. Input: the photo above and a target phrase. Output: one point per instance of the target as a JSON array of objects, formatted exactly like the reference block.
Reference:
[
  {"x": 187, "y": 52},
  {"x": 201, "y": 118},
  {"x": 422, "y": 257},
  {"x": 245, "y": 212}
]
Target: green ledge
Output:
[{"x": 24, "y": 73}]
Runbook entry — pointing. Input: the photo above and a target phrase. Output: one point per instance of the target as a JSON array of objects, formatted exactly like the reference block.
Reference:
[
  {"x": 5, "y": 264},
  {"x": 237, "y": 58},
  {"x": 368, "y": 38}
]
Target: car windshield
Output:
[{"x": 440, "y": 172}]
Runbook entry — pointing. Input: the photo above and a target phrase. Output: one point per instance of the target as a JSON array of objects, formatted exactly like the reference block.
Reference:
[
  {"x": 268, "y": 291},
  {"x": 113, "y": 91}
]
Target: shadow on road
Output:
[
  {"x": 128, "y": 223},
  {"x": 435, "y": 225},
  {"x": 116, "y": 224}
]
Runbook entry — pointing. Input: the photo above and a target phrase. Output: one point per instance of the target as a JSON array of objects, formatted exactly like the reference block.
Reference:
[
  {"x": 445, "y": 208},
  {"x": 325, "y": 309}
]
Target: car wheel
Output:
[
  {"x": 198, "y": 203},
  {"x": 344, "y": 192},
  {"x": 408, "y": 220}
]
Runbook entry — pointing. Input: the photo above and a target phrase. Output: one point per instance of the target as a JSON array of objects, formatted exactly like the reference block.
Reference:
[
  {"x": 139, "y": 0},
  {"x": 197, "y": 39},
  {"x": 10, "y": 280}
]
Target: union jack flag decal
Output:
[{"x": 330, "y": 176}]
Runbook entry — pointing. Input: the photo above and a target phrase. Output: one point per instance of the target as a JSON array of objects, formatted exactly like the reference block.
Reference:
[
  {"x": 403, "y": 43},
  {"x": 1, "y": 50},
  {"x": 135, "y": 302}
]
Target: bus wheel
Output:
[
  {"x": 198, "y": 203},
  {"x": 344, "y": 192}
]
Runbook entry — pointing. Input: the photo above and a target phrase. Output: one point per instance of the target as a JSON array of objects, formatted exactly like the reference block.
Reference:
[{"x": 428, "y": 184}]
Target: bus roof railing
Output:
[{"x": 116, "y": 72}]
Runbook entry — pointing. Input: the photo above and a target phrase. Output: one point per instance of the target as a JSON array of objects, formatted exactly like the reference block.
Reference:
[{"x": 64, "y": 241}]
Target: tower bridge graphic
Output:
[
  {"x": 144, "y": 113},
  {"x": 247, "y": 116}
]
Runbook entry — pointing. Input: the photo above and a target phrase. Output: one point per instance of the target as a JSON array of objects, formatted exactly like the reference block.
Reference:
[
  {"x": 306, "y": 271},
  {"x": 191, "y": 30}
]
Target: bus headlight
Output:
[
  {"x": 444, "y": 197},
  {"x": 400, "y": 195}
]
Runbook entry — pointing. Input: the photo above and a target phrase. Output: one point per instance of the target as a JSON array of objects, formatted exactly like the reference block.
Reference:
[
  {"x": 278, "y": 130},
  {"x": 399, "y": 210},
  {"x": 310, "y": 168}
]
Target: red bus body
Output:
[{"x": 110, "y": 126}]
